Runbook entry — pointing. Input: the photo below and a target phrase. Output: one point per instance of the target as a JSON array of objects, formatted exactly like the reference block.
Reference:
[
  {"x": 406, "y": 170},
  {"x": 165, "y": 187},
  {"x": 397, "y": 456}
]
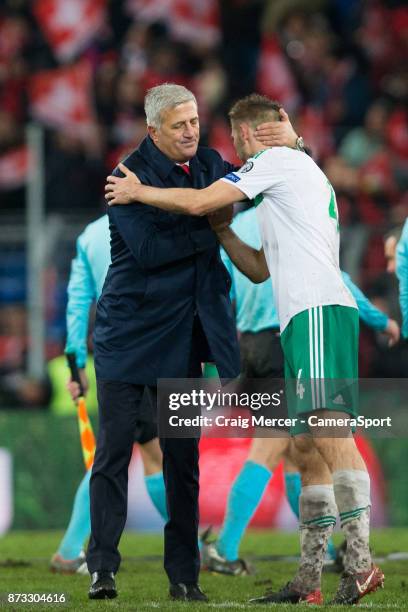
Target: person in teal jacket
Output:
[
  {"x": 88, "y": 272},
  {"x": 261, "y": 357},
  {"x": 402, "y": 274}
]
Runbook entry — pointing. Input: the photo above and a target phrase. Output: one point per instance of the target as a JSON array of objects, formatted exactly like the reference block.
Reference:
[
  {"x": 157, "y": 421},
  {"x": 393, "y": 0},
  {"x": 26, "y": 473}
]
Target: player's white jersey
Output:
[{"x": 298, "y": 220}]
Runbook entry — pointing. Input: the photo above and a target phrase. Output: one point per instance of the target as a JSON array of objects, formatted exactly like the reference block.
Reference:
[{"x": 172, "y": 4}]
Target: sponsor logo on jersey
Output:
[
  {"x": 247, "y": 167},
  {"x": 232, "y": 177}
]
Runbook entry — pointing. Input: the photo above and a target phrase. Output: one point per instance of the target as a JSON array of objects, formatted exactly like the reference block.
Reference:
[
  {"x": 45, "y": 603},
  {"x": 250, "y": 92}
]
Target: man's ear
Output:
[
  {"x": 244, "y": 131},
  {"x": 152, "y": 131}
]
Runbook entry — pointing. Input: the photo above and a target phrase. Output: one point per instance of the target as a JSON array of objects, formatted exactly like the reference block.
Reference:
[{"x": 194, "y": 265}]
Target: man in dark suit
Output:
[{"x": 164, "y": 309}]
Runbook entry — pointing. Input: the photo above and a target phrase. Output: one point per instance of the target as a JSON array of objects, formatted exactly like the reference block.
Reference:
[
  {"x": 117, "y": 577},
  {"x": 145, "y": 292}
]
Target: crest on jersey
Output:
[{"x": 247, "y": 167}]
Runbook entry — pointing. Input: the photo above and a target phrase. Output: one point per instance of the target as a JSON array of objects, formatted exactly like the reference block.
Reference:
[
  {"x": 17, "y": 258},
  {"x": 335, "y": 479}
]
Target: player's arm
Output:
[
  {"x": 198, "y": 202},
  {"x": 81, "y": 294},
  {"x": 372, "y": 316},
  {"x": 248, "y": 260},
  {"x": 402, "y": 274}
]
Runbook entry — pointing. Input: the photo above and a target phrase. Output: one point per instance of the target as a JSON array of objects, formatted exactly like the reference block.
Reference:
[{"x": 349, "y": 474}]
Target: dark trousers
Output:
[{"x": 120, "y": 408}]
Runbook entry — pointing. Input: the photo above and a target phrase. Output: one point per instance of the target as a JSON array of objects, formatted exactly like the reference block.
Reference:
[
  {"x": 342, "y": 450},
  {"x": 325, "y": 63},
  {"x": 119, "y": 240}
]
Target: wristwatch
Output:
[{"x": 300, "y": 144}]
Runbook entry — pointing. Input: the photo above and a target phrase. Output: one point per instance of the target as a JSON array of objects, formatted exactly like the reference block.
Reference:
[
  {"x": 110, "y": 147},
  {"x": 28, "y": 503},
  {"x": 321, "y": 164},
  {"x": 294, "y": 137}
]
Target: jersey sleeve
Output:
[
  {"x": 258, "y": 174},
  {"x": 372, "y": 316},
  {"x": 81, "y": 294},
  {"x": 402, "y": 274}
]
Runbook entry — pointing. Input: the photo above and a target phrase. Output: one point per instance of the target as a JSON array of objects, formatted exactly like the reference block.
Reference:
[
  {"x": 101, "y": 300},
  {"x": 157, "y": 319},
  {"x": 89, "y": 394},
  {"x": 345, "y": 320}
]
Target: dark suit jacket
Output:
[{"x": 165, "y": 269}]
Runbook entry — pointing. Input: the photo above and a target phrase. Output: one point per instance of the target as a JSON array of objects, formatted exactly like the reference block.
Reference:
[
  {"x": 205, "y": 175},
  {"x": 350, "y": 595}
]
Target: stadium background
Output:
[{"x": 73, "y": 74}]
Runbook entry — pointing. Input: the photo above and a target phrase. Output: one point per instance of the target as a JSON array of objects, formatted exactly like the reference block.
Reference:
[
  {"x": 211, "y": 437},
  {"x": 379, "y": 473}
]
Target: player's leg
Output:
[
  {"x": 293, "y": 482},
  {"x": 70, "y": 557},
  {"x": 351, "y": 483},
  {"x": 261, "y": 366},
  {"x": 246, "y": 492},
  {"x": 317, "y": 509},
  {"x": 317, "y": 517},
  {"x": 261, "y": 370},
  {"x": 293, "y": 485},
  {"x": 336, "y": 344}
]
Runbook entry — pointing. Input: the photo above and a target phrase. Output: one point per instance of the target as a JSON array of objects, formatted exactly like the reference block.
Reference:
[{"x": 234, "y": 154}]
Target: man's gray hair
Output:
[{"x": 165, "y": 96}]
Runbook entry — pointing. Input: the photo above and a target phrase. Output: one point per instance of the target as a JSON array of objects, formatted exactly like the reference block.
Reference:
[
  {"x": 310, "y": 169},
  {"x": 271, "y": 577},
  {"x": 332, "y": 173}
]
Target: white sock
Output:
[
  {"x": 352, "y": 493},
  {"x": 317, "y": 518}
]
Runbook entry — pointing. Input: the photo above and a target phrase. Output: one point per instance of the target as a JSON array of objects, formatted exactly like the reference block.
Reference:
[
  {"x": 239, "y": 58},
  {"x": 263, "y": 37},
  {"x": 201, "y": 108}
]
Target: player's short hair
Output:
[
  {"x": 162, "y": 97},
  {"x": 255, "y": 109}
]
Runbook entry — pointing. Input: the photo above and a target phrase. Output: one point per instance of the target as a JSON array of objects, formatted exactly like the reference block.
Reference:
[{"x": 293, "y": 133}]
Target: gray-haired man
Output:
[{"x": 164, "y": 309}]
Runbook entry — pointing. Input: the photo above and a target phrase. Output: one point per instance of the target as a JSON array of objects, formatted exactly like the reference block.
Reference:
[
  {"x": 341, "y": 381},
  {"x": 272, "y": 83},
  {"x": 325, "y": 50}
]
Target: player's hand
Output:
[
  {"x": 122, "y": 190},
  {"x": 277, "y": 133},
  {"x": 392, "y": 331},
  {"x": 73, "y": 387},
  {"x": 221, "y": 219}
]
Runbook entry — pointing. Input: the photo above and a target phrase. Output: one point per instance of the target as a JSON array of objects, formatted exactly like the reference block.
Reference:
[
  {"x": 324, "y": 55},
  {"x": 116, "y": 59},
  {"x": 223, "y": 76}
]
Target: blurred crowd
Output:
[{"x": 82, "y": 68}]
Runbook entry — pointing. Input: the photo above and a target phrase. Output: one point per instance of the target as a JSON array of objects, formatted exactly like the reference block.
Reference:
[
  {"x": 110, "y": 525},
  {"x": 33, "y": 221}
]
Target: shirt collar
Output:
[{"x": 161, "y": 163}]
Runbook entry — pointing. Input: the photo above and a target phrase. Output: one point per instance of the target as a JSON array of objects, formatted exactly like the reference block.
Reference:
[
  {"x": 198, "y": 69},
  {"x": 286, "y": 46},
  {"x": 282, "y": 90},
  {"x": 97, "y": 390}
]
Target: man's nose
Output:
[{"x": 189, "y": 131}]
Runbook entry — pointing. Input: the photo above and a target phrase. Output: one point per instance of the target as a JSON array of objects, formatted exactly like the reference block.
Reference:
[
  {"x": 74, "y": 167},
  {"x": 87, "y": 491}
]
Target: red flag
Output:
[
  {"x": 196, "y": 22},
  {"x": 62, "y": 97},
  {"x": 69, "y": 25},
  {"x": 191, "y": 22},
  {"x": 149, "y": 11},
  {"x": 14, "y": 168},
  {"x": 274, "y": 76}
]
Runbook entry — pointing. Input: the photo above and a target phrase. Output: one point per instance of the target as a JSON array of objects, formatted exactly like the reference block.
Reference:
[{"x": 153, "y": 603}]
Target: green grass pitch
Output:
[{"x": 142, "y": 583}]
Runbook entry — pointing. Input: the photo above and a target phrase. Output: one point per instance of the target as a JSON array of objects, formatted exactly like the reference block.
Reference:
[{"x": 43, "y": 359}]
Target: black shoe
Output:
[
  {"x": 187, "y": 592},
  {"x": 212, "y": 561},
  {"x": 289, "y": 595},
  {"x": 103, "y": 586}
]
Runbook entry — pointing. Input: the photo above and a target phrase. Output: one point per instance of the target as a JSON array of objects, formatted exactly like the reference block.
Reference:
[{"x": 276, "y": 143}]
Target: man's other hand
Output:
[
  {"x": 73, "y": 387},
  {"x": 122, "y": 190},
  {"x": 277, "y": 133},
  {"x": 221, "y": 219},
  {"x": 392, "y": 331}
]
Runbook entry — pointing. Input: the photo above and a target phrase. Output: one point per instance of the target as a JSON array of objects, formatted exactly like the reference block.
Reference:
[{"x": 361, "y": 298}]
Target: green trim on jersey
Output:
[
  {"x": 258, "y": 199},
  {"x": 260, "y": 152},
  {"x": 333, "y": 210},
  {"x": 320, "y": 347}
]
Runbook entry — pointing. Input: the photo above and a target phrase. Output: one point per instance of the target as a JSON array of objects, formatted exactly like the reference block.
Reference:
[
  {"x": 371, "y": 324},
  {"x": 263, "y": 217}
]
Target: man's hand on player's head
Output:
[
  {"x": 73, "y": 387},
  {"x": 122, "y": 190},
  {"x": 277, "y": 133},
  {"x": 221, "y": 219}
]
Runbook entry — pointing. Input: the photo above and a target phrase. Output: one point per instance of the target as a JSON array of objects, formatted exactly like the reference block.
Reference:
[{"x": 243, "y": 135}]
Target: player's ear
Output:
[
  {"x": 244, "y": 131},
  {"x": 152, "y": 131}
]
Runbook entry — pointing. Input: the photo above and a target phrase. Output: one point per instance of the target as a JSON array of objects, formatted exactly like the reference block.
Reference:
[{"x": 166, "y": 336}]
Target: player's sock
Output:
[
  {"x": 243, "y": 500},
  {"x": 157, "y": 492},
  {"x": 352, "y": 492},
  {"x": 317, "y": 518},
  {"x": 79, "y": 526},
  {"x": 293, "y": 484}
]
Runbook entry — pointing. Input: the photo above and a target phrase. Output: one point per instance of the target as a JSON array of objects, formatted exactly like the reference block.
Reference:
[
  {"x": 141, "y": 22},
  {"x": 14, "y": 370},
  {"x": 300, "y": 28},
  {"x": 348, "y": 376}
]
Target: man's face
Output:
[
  {"x": 242, "y": 146},
  {"x": 390, "y": 246},
  {"x": 179, "y": 132}
]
